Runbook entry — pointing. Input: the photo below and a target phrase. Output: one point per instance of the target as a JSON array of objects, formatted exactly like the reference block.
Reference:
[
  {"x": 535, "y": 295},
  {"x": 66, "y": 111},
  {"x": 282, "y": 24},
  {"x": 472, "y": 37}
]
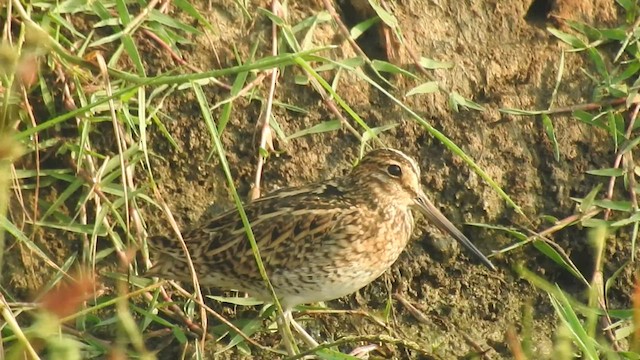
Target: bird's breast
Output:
[
  {"x": 387, "y": 243},
  {"x": 361, "y": 249},
  {"x": 377, "y": 247}
]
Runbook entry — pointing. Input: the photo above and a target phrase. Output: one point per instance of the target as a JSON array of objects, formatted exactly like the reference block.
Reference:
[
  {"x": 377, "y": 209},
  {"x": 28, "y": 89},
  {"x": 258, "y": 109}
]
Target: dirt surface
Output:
[{"x": 501, "y": 60}]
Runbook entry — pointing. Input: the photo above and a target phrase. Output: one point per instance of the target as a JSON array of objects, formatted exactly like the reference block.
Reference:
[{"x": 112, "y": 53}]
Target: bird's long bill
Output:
[{"x": 435, "y": 216}]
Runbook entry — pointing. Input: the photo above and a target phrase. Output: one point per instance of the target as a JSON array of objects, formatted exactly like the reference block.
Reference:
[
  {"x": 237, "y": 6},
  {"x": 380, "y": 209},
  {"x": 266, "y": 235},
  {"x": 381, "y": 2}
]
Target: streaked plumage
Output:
[{"x": 318, "y": 242}]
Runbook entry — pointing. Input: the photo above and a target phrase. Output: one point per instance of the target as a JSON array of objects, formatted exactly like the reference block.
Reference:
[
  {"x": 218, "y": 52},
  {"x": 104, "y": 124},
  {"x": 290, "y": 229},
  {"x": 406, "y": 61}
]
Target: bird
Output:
[{"x": 318, "y": 242}]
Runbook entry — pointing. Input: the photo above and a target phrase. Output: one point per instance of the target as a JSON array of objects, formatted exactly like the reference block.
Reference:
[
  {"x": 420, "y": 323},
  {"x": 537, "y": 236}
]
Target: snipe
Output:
[{"x": 318, "y": 242}]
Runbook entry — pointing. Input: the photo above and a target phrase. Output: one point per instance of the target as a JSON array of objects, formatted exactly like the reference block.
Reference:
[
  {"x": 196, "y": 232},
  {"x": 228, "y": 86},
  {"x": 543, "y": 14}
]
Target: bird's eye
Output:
[{"x": 394, "y": 170}]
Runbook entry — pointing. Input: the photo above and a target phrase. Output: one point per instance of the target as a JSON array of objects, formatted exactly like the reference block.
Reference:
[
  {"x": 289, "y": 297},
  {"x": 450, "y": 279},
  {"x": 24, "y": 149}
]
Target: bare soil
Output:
[{"x": 503, "y": 57}]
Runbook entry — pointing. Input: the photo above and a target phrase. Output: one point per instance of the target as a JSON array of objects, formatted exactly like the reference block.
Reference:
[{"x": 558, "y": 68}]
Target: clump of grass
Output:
[{"x": 590, "y": 328}]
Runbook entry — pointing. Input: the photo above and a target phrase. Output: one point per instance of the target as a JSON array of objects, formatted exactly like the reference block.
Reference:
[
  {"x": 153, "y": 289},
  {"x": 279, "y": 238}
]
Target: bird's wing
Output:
[{"x": 288, "y": 226}]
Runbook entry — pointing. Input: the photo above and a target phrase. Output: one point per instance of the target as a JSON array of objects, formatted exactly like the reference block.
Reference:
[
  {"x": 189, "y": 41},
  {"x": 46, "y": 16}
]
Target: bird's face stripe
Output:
[{"x": 414, "y": 164}]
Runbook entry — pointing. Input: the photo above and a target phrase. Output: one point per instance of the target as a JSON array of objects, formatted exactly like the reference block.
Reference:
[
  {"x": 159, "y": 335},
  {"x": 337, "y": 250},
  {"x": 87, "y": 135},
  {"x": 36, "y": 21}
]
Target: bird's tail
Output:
[{"x": 166, "y": 264}]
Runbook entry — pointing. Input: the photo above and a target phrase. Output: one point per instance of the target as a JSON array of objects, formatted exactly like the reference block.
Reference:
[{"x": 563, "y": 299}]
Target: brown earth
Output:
[{"x": 501, "y": 60}]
